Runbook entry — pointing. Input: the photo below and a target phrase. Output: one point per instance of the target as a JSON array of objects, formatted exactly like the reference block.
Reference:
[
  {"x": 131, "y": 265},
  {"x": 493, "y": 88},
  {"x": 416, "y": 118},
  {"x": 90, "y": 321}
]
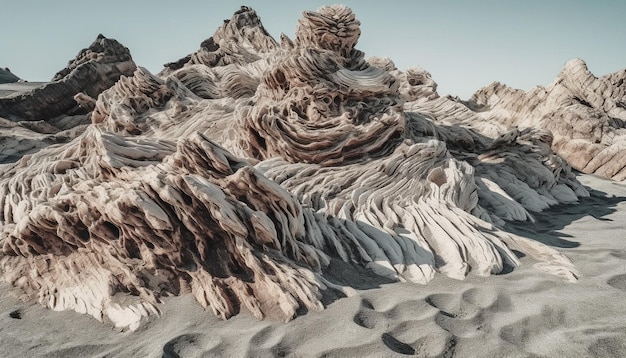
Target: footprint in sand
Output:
[
  {"x": 435, "y": 323},
  {"x": 464, "y": 315},
  {"x": 366, "y": 316},
  {"x": 618, "y": 282},
  {"x": 487, "y": 299},
  {"x": 395, "y": 345},
  {"x": 423, "y": 338},
  {"x": 187, "y": 345},
  {"x": 457, "y": 316},
  {"x": 268, "y": 342},
  {"x": 534, "y": 327},
  {"x": 420, "y": 310},
  {"x": 480, "y": 297}
]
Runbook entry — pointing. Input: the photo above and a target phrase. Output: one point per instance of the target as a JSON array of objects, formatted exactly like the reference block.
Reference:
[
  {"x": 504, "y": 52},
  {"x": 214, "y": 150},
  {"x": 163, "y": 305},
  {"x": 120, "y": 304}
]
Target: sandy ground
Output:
[{"x": 523, "y": 313}]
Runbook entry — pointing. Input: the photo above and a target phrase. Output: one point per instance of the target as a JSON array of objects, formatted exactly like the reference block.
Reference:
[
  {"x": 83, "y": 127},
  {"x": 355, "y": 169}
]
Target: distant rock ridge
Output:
[
  {"x": 585, "y": 114},
  {"x": 240, "y": 172},
  {"x": 94, "y": 69},
  {"x": 6, "y": 76},
  {"x": 36, "y": 116}
]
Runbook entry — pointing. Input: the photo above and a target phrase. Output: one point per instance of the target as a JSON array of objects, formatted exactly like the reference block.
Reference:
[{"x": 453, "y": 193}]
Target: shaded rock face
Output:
[
  {"x": 7, "y": 77},
  {"x": 94, "y": 69},
  {"x": 240, "y": 172},
  {"x": 585, "y": 114}
]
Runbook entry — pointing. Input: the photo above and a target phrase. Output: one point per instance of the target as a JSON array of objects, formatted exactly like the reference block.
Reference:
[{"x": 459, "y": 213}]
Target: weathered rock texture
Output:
[
  {"x": 25, "y": 137},
  {"x": 585, "y": 114},
  {"x": 240, "y": 40},
  {"x": 240, "y": 172}
]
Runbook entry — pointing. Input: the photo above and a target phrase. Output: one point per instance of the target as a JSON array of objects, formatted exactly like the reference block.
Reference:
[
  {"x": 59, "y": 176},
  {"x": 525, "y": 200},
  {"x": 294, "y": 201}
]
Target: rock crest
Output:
[{"x": 33, "y": 116}]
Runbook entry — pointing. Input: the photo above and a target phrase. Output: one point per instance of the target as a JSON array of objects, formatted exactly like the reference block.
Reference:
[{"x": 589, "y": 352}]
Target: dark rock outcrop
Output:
[
  {"x": 6, "y": 76},
  {"x": 94, "y": 69}
]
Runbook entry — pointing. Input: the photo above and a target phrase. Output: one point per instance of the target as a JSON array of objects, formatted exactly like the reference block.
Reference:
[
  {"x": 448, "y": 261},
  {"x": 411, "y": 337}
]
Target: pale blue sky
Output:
[{"x": 464, "y": 44}]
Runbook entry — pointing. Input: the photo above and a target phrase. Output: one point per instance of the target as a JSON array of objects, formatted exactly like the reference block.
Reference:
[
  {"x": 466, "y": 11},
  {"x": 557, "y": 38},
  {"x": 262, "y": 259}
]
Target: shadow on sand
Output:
[
  {"x": 548, "y": 223},
  {"x": 545, "y": 229}
]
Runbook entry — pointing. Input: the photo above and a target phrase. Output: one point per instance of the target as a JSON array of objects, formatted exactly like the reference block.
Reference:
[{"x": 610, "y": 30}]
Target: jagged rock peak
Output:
[
  {"x": 333, "y": 27},
  {"x": 245, "y": 25},
  {"x": 245, "y": 16},
  {"x": 240, "y": 40},
  {"x": 102, "y": 50},
  {"x": 6, "y": 76},
  {"x": 574, "y": 66}
]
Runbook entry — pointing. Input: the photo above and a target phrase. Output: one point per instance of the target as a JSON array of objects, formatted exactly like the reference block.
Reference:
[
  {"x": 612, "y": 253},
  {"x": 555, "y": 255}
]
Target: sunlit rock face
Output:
[
  {"x": 585, "y": 114},
  {"x": 241, "y": 171}
]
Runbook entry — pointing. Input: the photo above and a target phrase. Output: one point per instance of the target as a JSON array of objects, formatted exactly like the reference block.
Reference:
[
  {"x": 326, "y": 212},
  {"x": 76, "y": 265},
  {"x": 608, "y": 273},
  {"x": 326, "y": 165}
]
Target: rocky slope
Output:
[{"x": 240, "y": 172}]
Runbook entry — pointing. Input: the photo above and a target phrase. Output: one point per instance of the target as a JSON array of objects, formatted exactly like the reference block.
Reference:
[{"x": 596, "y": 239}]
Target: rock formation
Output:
[
  {"x": 240, "y": 40},
  {"x": 6, "y": 76},
  {"x": 239, "y": 172},
  {"x": 585, "y": 114},
  {"x": 94, "y": 69}
]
